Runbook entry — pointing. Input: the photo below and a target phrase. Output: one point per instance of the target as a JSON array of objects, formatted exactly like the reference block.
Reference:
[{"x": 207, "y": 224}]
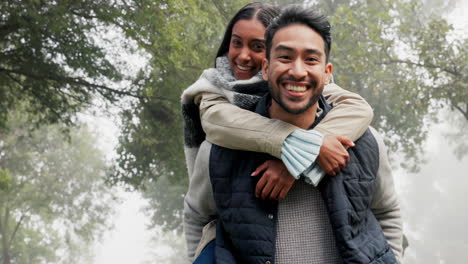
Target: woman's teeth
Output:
[{"x": 244, "y": 68}]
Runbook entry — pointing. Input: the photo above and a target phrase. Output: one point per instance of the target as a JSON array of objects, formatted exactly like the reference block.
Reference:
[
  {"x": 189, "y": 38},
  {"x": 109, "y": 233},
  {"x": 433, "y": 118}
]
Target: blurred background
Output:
[{"x": 91, "y": 159}]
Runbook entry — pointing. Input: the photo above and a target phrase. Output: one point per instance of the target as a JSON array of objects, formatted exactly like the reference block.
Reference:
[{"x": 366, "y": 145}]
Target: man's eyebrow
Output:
[
  {"x": 284, "y": 48},
  {"x": 237, "y": 36},
  {"x": 314, "y": 51},
  {"x": 309, "y": 51}
]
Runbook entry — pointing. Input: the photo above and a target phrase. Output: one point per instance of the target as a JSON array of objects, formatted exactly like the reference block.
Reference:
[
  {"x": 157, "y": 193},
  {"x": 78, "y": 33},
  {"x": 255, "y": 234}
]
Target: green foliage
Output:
[
  {"x": 50, "y": 56},
  {"x": 182, "y": 38},
  {"x": 56, "y": 201},
  {"x": 5, "y": 180},
  {"x": 400, "y": 58}
]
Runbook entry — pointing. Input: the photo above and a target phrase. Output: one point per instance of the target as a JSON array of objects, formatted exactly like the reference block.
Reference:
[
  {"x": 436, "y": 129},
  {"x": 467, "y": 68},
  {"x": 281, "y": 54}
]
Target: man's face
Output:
[{"x": 297, "y": 70}]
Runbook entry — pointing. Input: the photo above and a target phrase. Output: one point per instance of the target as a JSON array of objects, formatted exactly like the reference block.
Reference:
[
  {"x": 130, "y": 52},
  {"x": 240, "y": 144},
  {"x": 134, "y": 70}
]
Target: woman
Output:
[{"x": 213, "y": 104}]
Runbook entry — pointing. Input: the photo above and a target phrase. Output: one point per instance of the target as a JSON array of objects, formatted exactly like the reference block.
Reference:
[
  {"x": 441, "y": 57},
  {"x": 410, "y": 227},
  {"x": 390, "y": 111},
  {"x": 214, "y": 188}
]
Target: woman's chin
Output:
[{"x": 243, "y": 75}]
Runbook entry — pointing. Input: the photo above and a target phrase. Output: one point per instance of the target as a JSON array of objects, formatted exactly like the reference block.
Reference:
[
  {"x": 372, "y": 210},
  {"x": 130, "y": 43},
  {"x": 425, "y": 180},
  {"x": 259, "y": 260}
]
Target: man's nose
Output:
[{"x": 298, "y": 70}]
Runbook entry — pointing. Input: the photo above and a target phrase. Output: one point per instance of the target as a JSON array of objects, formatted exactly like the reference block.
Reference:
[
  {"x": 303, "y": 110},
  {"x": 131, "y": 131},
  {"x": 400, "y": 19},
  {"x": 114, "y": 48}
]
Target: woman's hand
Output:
[
  {"x": 275, "y": 182},
  {"x": 333, "y": 155}
]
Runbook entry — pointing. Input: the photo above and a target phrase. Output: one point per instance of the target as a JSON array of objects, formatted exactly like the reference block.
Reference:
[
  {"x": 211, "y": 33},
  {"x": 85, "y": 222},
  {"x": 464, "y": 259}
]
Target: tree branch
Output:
[
  {"x": 59, "y": 117},
  {"x": 77, "y": 81},
  {"x": 16, "y": 229},
  {"x": 70, "y": 80},
  {"x": 455, "y": 73},
  {"x": 464, "y": 113}
]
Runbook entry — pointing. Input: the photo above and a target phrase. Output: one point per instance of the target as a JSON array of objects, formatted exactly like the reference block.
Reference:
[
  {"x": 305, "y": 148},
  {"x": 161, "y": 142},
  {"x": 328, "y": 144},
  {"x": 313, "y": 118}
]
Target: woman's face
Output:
[{"x": 247, "y": 48}]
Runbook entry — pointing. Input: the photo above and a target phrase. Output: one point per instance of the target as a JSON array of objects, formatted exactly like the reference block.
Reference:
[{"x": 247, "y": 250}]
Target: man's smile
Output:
[{"x": 296, "y": 88}]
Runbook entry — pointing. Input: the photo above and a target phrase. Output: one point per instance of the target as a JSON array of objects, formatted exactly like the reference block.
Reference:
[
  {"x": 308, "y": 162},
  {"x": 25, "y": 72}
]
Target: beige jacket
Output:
[{"x": 229, "y": 126}]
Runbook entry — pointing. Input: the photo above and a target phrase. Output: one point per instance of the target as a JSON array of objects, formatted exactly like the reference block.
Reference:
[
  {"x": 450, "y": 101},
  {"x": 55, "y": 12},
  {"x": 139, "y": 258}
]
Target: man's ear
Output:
[
  {"x": 328, "y": 72},
  {"x": 265, "y": 69}
]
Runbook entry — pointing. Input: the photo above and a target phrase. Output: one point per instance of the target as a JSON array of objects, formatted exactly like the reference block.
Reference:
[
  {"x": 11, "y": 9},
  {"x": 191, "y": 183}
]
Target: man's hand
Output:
[
  {"x": 333, "y": 155},
  {"x": 275, "y": 182}
]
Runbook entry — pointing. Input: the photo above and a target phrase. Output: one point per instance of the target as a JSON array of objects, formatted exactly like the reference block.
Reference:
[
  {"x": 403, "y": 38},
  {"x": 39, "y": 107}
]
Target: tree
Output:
[
  {"x": 385, "y": 51},
  {"x": 51, "y": 56},
  {"x": 405, "y": 61},
  {"x": 53, "y": 196},
  {"x": 181, "y": 37}
]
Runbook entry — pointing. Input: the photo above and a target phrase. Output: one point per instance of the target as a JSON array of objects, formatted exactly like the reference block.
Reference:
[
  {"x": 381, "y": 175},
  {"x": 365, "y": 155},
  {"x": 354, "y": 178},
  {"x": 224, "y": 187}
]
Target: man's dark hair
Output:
[
  {"x": 296, "y": 14},
  {"x": 262, "y": 12}
]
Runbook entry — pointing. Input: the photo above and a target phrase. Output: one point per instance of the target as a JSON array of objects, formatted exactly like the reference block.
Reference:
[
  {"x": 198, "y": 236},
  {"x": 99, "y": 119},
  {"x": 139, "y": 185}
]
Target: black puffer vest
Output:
[{"x": 246, "y": 231}]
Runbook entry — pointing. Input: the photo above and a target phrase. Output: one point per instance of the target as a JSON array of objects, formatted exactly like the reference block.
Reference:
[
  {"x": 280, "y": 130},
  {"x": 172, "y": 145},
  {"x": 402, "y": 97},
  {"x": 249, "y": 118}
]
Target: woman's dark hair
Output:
[{"x": 264, "y": 13}]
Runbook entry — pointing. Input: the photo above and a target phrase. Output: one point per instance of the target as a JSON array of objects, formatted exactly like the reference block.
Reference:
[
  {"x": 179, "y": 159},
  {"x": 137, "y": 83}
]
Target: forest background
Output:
[{"x": 66, "y": 63}]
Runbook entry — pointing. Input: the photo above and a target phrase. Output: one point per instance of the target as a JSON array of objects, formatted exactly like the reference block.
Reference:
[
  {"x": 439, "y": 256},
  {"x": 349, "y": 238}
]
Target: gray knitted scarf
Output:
[{"x": 219, "y": 80}]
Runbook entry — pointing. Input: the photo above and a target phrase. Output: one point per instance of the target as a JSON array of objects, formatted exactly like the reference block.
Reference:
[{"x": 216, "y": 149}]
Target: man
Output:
[{"x": 353, "y": 217}]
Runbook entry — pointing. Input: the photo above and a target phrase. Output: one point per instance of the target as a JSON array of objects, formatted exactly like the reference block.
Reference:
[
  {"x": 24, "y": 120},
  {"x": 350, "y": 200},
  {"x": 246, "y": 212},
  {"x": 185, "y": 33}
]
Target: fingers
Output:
[
  {"x": 260, "y": 185},
  {"x": 267, "y": 190},
  {"x": 330, "y": 171},
  {"x": 260, "y": 168},
  {"x": 284, "y": 191},
  {"x": 345, "y": 141},
  {"x": 342, "y": 161},
  {"x": 275, "y": 192},
  {"x": 275, "y": 181},
  {"x": 336, "y": 170}
]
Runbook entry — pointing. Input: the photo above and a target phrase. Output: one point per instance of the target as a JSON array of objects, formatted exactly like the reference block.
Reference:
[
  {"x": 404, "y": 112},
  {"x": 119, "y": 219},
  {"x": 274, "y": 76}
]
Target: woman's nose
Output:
[{"x": 244, "y": 55}]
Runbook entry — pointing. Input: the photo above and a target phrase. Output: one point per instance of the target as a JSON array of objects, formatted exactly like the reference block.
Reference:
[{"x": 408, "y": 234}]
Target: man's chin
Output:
[{"x": 295, "y": 109}]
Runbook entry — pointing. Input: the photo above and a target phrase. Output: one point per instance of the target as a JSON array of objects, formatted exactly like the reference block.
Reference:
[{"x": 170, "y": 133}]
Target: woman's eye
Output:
[
  {"x": 258, "y": 47},
  {"x": 236, "y": 42}
]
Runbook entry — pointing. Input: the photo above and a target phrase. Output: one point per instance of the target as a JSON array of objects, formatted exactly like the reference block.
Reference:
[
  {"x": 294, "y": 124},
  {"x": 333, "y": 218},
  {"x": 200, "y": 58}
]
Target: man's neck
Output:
[{"x": 303, "y": 120}]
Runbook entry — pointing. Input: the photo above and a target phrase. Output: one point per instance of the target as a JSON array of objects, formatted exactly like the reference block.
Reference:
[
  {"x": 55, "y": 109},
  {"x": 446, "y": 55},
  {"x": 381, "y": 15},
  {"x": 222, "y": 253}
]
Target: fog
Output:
[{"x": 434, "y": 205}]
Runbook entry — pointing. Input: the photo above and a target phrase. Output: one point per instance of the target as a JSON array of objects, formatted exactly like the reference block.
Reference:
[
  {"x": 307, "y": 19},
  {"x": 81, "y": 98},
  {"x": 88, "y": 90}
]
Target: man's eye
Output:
[{"x": 284, "y": 57}]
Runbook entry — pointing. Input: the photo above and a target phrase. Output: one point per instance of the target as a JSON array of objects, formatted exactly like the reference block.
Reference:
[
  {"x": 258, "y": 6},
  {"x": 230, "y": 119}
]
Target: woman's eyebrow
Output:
[
  {"x": 237, "y": 36},
  {"x": 259, "y": 40}
]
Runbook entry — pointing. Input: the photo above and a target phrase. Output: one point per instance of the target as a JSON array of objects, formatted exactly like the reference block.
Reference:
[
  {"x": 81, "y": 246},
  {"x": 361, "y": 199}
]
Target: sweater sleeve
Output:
[
  {"x": 385, "y": 204},
  {"x": 199, "y": 204},
  {"x": 350, "y": 116}
]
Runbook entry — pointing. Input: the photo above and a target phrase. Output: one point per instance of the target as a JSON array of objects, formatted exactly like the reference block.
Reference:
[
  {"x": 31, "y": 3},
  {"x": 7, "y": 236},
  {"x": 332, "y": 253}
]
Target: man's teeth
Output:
[
  {"x": 296, "y": 88},
  {"x": 244, "y": 68}
]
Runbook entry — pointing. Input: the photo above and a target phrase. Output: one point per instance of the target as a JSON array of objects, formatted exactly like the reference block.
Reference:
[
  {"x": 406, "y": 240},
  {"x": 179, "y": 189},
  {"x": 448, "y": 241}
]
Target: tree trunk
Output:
[{"x": 6, "y": 258}]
